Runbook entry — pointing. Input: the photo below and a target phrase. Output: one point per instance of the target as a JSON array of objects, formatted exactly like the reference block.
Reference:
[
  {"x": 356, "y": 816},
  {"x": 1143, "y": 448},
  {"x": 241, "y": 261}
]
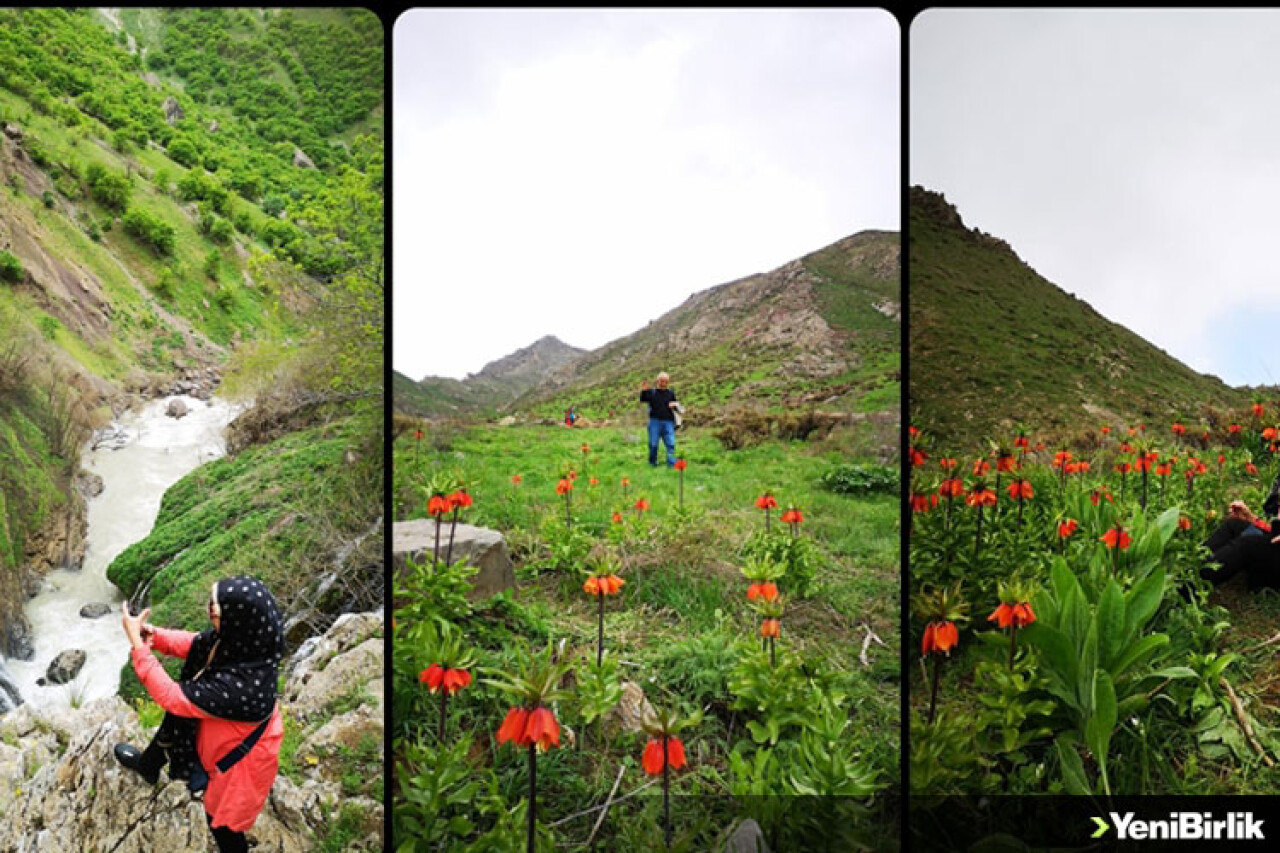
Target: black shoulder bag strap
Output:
[{"x": 231, "y": 758}]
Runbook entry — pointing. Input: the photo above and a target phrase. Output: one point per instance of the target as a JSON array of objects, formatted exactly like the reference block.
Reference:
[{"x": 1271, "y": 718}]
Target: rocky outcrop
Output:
[
  {"x": 481, "y": 547},
  {"x": 65, "y": 667},
  {"x": 176, "y": 408},
  {"x": 173, "y": 112},
  {"x": 301, "y": 160},
  {"x": 61, "y": 789},
  {"x": 629, "y": 714},
  {"x": 95, "y": 610}
]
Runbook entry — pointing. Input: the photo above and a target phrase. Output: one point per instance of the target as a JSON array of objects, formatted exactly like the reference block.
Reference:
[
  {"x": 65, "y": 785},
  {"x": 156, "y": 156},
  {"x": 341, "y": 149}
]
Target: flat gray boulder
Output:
[
  {"x": 65, "y": 667},
  {"x": 747, "y": 838},
  {"x": 481, "y": 547},
  {"x": 95, "y": 610}
]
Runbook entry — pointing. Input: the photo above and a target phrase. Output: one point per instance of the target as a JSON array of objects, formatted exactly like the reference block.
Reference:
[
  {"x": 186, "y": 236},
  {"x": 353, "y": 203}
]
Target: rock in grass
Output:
[
  {"x": 630, "y": 712},
  {"x": 479, "y": 546},
  {"x": 747, "y": 838}
]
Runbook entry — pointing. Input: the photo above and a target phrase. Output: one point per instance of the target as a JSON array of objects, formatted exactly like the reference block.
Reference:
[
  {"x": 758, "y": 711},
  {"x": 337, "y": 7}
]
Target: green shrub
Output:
[
  {"x": 150, "y": 229},
  {"x": 861, "y": 479},
  {"x": 112, "y": 189},
  {"x": 10, "y": 267}
]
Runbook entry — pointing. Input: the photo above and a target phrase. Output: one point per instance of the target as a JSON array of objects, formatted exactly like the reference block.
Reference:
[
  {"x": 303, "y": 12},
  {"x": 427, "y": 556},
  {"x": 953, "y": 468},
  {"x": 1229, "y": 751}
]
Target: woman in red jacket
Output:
[{"x": 230, "y": 699}]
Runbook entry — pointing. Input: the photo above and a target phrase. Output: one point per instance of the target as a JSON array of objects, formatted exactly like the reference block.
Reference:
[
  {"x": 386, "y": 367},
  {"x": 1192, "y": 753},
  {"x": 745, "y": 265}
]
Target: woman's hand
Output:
[
  {"x": 133, "y": 627},
  {"x": 644, "y": 385}
]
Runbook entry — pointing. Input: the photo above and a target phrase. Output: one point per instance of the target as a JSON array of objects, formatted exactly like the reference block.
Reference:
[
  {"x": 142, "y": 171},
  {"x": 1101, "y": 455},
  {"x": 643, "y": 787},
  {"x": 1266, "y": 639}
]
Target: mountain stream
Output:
[{"x": 143, "y": 454}]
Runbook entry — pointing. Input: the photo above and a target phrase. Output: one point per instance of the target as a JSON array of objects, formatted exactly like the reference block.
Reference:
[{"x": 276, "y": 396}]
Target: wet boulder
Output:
[
  {"x": 95, "y": 610},
  {"x": 65, "y": 667}
]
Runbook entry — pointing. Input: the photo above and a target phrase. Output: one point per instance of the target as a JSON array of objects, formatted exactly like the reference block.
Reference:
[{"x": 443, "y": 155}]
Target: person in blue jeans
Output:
[{"x": 662, "y": 420}]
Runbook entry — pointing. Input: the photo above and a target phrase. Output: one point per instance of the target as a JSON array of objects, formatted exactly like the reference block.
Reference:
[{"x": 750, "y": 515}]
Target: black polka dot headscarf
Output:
[{"x": 239, "y": 681}]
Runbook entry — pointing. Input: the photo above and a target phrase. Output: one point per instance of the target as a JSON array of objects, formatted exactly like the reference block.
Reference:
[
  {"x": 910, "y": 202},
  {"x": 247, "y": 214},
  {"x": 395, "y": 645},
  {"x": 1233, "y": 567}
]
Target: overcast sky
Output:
[
  {"x": 580, "y": 173},
  {"x": 1130, "y": 157}
]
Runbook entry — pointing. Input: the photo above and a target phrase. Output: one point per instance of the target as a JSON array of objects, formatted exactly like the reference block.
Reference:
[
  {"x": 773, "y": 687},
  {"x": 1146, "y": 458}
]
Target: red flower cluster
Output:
[
  {"x": 981, "y": 496},
  {"x": 1017, "y": 615},
  {"x": 652, "y": 760},
  {"x": 1066, "y": 528},
  {"x": 766, "y": 590},
  {"x": 681, "y": 464},
  {"x": 770, "y": 628},
  {"x": 642, "y": 505},
  {"x": 1117, "y": 537},
  {"x": 438, "y": 506},
  {"x": 921, "y": 503},
  {"x": 524, "y": 727},
  {"x": 1020, "y": 489},
  {"x": 766, "y": 501},
  {"x": 792, "y": 516},
  {"x": 940, "y": 636},
  {"x": 602, "y": 585},
  {"x": 437, "y": 676},
  {"x": 459, "y": 500},
  {"x": 952, "y": 487},
  {"x": 564, "y": 486}
]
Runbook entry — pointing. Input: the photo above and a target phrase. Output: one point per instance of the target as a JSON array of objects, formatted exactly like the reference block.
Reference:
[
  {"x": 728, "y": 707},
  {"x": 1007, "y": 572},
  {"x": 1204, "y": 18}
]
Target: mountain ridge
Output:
[
  {"x": 994, "y": 344},
  {"x": 823, "y": 329}
]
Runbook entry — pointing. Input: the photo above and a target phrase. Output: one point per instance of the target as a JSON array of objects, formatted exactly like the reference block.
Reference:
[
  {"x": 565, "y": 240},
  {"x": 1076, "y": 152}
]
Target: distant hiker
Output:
[
  {"x": 1243, "y": 542},
  {"x": 662, "y": 418},
  {"x": 222, "y": 728},
  {"x": 569, "y": 417}
]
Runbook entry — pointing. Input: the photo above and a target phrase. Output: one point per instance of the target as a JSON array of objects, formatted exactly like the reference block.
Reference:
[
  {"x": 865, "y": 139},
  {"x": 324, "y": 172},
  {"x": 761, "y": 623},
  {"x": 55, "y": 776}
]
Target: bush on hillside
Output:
[
  {"x": 151, "y": 230},
  {"x": 10, "y": 267}
]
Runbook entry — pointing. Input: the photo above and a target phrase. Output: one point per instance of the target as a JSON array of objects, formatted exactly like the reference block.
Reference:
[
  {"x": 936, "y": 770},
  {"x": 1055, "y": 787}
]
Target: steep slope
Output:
[
  {"x": 497, "y": 384},
  {"x": 168, "y": 180},
  {"x": 994, "y": 344},
  {"x": 821, "y": 330}
]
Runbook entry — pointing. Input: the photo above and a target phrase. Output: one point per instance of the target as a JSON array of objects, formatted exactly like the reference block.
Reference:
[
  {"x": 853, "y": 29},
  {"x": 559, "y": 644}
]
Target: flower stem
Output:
[
  {"x": 977, "y": 535},
  {"x": 533, "y": 796},
  {"x": 568, "y": 519},
  {"x": 435, "y": 554},
  {"x": 1013, "y": 639},
  {"x": 773, "y": 653},
  {"x": 444, "y": 703},
  {"x": 453, "y": 527},
  {"x": 681, "y": 490},
  {"x": 600, "y": 633},
  {"x": 666, "y": 793},
  {"x": 933, "y": 693}
]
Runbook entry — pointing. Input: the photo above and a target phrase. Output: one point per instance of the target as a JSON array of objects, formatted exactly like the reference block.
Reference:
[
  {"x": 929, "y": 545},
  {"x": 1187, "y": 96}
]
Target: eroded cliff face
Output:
[{"x": 61, "y": 790}]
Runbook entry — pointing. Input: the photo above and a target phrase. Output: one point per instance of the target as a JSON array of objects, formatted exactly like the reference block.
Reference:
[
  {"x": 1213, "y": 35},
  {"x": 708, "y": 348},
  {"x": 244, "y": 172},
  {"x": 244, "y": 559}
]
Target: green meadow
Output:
[{"x": 815, "y": 720}]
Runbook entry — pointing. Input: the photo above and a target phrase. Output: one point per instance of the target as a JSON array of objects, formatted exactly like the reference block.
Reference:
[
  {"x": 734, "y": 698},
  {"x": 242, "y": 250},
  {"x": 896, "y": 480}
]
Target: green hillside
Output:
[
  {"x": 993, "y": 344},
  {"x": 182, "y": 192},
  {"x": 821, "y": 331}
]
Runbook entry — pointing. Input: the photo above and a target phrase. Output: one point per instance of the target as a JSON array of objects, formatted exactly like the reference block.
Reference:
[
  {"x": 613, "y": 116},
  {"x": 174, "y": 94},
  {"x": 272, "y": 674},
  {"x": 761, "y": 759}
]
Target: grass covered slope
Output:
[
  {"x": 289, "y": 512},
  {"x": 821, "y": 330},
  {"x": 154, "y": 211},
  {"x": 682, "y": 629},
  {"x": 994, "y": 344}
]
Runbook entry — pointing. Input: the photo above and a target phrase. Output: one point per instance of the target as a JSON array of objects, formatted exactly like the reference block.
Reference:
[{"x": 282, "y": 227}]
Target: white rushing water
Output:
[{"x": 156, "y": 452}]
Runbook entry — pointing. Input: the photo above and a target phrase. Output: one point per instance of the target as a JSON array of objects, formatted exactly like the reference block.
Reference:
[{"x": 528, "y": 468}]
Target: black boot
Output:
[{"x": 146, "y": 764}]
